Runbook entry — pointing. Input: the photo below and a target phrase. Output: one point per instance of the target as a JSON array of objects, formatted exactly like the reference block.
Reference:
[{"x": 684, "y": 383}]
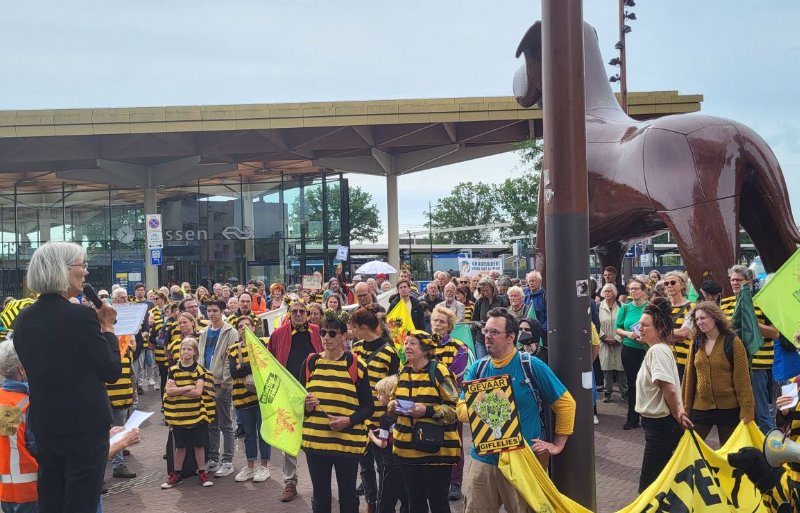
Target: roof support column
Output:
[
  {"x": 150, "y": 207},
  {"x": 248, "y": 219},
  {"x": 393, "y": 224}
]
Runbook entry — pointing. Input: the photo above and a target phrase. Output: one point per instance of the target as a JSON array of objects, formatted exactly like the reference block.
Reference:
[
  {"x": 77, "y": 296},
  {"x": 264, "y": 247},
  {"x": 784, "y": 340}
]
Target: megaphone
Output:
[{"x": 779, "y": 449}]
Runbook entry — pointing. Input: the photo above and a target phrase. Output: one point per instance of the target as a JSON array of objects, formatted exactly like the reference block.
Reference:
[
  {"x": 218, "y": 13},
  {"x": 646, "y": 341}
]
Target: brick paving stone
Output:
[{"x": 618, "y": 460}]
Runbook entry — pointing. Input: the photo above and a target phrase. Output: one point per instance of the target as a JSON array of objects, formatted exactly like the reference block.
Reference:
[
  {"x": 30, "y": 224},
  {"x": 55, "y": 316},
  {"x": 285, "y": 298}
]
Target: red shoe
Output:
[
  {"x": 204, "y": 479},
  {"x": 173, "y": 480}
]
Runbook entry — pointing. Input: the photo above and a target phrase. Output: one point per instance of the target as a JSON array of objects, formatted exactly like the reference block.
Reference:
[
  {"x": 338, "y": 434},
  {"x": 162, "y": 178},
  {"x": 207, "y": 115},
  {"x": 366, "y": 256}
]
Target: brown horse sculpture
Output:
[{"x": 698, "y": 176}]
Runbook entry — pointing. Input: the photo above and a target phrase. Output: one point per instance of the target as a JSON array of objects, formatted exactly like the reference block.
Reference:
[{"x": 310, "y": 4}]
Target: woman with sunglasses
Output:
[
  {"x": 338, "y": 403},
  {"x": 633, "y": 349},
  {"x": 681, "y": 306}
]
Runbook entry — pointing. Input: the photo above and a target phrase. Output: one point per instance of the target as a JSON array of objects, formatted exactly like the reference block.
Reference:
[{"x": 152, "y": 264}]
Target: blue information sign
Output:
[{"x": 155, "y": 256}]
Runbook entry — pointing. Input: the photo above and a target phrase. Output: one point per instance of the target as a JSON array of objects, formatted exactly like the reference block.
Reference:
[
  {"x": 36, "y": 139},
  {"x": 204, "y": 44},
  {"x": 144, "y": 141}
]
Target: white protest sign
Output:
[{"x": 473, "y": 266}]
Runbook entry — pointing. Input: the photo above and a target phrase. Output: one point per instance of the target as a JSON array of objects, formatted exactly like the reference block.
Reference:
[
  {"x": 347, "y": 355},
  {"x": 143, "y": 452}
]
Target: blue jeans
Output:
[
  {"x": 762, "y": 386},
  {"x": 253, "y": 443},
  {"x": 20, "y": 507}
]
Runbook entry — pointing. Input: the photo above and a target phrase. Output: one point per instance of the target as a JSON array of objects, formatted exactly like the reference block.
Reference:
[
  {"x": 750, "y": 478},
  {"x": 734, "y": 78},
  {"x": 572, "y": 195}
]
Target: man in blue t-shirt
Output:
[
  {"x": 486, "y": 488},
  {"x": 215, "y": 340}
]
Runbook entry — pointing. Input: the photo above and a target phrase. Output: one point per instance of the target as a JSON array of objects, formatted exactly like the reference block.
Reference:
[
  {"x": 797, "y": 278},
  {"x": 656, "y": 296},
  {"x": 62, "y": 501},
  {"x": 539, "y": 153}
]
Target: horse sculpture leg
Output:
[
  {"x": 707, "y": 236},
  {"x": 612, "y": 254}
]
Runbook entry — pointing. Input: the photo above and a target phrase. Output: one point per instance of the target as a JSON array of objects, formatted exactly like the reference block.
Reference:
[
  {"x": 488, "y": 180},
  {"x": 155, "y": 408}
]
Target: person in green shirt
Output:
[{"x": 633, "y": 350}]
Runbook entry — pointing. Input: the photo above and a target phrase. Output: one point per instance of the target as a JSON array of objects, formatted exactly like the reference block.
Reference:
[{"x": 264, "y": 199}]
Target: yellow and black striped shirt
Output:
[
  {"x": 681, "y": 347},
  {"x": 184, "y": 411},
  {"x": 381, "y": 358},
  {"x": 242, "y": 398},
  {"x": 331, "y": 383},
  {"x": 468, "y": 311},
  {"x": 416, "y": 386},
  {"x": 120, "y": 392},
  {"x": 763, "y": 358},
  {"x": 173, "y": 349}
]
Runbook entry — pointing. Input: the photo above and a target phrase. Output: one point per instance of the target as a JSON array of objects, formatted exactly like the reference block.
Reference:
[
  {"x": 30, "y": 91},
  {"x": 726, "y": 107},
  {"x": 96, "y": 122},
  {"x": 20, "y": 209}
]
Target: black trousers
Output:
[
  {"x": 319, "y": 468},
  {"x": 371, "y": 462},
  {"x": 393, "y": 489},
  {"x": 71, "y": 471},
  {"x": 162, "y": 372},
  {"x": 428, "y": 486},
  {"x": 632, "y": 359},
  {"x": 661, "y": 437}
]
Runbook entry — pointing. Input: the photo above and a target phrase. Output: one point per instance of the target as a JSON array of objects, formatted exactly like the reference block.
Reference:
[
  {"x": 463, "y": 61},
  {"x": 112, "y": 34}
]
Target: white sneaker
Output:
[
  {"x": 152, "y": 382},
  {"x": 212, "y": 466},
  {"x": 262, "y": 474},
  {"x": 225, "y": 469},
  {"x": 596, "y": 420},
  {"x": 245, "y": 474}
]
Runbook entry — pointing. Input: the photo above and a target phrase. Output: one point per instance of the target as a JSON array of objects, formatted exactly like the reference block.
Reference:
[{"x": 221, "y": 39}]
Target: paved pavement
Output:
[{"x": 618, "y": 459}]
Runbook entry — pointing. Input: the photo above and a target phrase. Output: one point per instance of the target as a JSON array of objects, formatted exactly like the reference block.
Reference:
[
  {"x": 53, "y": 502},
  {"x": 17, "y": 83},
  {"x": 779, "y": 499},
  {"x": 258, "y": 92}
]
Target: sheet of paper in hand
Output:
[
  {"x": 493, "y": 416},
  {"x": 129, "y": 318}
]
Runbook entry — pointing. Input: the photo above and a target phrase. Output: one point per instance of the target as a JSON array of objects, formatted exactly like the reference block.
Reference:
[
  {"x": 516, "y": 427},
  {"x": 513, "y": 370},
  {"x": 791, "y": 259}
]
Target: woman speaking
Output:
[{"x": 68, "y": 351}]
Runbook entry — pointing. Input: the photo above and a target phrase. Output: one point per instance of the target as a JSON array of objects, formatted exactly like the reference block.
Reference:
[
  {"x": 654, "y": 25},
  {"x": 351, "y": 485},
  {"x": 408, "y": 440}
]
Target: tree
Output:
[
  {"x": 518, "y": 196},
  {"x": 364, "y": 220},
  {"x": 468, "y": 204}
]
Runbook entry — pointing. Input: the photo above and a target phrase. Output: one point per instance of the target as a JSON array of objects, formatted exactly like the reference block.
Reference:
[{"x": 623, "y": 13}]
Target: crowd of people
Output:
[{"x": 394, "y": 415}]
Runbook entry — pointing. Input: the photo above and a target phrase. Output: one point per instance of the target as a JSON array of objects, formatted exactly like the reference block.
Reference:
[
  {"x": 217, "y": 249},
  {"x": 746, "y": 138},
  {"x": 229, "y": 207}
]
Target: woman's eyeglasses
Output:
[
  {"x": 671, "y": 283},
  {"x": 328, "y": 333}
]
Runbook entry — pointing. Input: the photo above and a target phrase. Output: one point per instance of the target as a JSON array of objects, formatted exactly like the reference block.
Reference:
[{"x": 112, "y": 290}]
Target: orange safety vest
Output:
[{"x": 18, "y": 467}]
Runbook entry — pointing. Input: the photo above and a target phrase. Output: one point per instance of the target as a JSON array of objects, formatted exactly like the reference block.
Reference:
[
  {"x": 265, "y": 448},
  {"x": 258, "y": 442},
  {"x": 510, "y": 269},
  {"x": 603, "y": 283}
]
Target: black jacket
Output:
[
  {"x": 417, "y": 312},
  {"x": 67, "y": 360}
]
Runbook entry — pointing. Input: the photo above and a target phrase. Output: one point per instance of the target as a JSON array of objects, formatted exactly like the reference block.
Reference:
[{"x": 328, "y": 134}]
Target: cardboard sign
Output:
[
  {"x": 312, "y": 282},
  {"x": 493, "y": 417}
]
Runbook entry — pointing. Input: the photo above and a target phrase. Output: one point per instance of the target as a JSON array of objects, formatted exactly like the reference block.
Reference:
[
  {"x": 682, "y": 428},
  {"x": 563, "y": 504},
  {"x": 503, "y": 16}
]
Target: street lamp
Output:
[{"x": 620, "y": 61}]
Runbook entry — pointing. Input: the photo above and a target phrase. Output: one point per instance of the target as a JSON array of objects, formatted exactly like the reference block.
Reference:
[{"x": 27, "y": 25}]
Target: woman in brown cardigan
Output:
[{"x": 716, "y": 386}]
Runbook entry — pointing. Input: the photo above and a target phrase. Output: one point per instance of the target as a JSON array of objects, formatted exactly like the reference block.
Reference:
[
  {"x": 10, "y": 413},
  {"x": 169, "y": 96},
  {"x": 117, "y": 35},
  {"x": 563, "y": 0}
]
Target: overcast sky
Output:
[{"x": 743, "y": 57}]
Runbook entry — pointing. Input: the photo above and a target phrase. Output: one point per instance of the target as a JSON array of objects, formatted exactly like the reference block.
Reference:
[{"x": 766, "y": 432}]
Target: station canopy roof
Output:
[{"x": 42, "y": 151}]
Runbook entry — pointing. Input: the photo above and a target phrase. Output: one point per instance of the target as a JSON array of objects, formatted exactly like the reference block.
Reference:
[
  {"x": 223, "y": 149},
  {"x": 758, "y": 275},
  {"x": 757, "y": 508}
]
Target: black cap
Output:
[{"x": 711, "y": 287}]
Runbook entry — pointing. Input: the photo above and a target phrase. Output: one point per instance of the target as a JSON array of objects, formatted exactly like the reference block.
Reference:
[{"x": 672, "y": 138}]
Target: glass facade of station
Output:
[{"x": 212, "y": 231}]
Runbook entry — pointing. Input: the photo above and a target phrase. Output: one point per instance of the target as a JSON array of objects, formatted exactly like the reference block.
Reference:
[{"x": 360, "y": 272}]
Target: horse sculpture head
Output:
[{"x": 528, "y": 78}]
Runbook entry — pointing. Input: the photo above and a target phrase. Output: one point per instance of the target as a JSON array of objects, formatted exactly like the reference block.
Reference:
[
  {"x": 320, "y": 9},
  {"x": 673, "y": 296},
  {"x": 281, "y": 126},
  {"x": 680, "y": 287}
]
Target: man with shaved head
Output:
[{"x": 365, "y": 297}]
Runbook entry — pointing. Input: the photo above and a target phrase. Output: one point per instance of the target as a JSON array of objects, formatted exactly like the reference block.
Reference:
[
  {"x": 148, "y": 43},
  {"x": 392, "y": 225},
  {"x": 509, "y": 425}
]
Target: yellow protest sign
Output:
[
  {"x": 493, "y": 416},
  {"x": 696, "y": 479}
]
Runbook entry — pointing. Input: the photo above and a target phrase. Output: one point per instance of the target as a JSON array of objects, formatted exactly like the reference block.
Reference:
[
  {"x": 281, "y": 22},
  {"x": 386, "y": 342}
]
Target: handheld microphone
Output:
[{"x": 89, "y": 292}]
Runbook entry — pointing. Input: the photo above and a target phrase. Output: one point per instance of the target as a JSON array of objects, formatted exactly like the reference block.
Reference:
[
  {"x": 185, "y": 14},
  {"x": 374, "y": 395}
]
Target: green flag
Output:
[
  {"x": 745, "y": 321},
  {"x": 780, "y": 298},
  {"x": 280, "y": 397},
  {"x": 463, "y": 332}
]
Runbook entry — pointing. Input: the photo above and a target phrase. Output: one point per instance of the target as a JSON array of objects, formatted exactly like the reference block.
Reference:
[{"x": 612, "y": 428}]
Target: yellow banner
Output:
[{"x": 693, "y": 480}]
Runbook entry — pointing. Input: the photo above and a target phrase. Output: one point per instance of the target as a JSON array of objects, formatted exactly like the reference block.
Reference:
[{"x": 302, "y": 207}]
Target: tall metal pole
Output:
[
  {"x": 623, "y": 78},
  {"x": 430, "y": 235},
  {"x": 567, "y": 221}
]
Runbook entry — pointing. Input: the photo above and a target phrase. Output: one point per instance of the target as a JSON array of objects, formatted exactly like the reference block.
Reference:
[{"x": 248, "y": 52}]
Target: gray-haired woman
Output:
[
  {"x": 69, "y": 352},
  {"x": 611, "y": 344}
]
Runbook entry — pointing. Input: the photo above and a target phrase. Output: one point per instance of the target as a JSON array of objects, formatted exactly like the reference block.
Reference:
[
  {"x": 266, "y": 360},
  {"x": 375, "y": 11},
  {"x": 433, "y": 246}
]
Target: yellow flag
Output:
[
  {"x": 694, "y": 480},
  {"x": 399, "y": 321},
  {"x": 281, "y": 398},
  {"x": 780, "y": 299}
]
